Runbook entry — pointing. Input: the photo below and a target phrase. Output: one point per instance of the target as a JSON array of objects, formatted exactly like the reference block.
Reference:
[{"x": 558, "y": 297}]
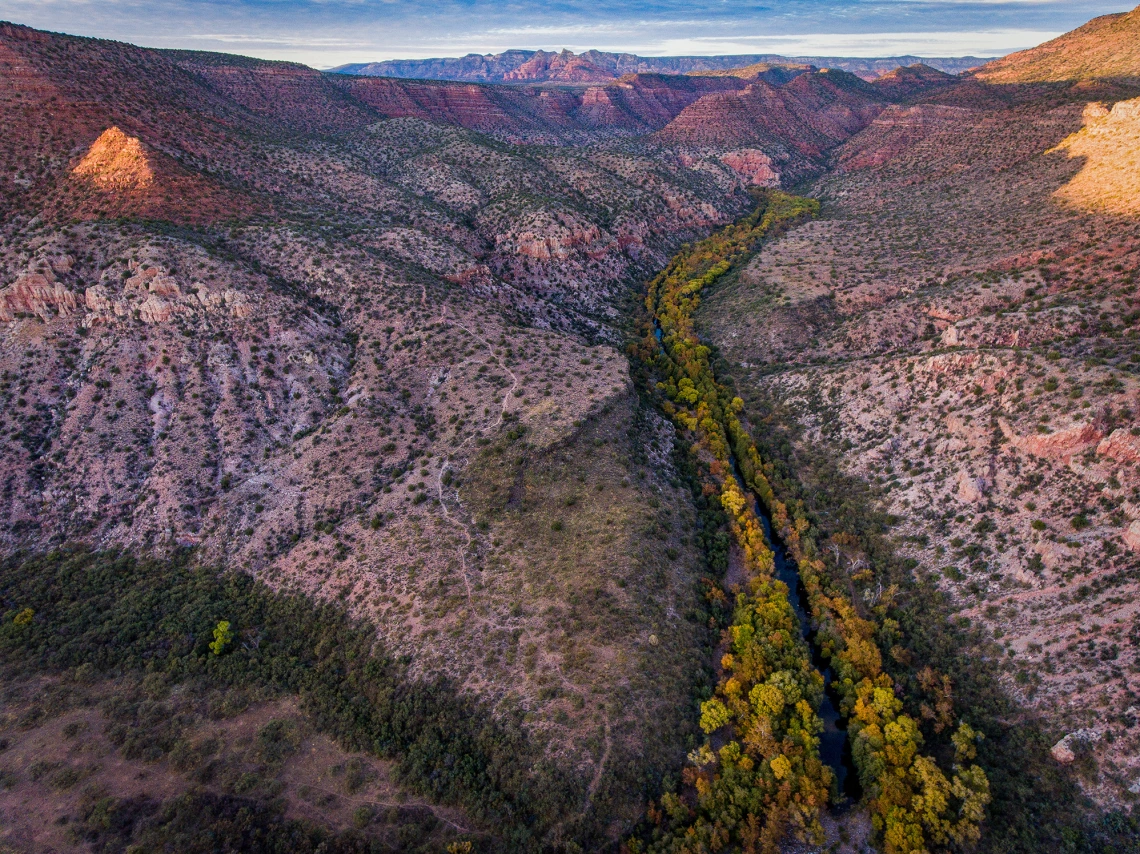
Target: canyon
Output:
[{"x": 369, "y": 340}]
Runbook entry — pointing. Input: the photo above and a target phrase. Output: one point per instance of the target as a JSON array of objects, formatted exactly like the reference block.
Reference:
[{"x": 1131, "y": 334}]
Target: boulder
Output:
[
  {"x": 1131, "y": 536},
  {"x": 972, "y": 489},
  {"x": 1062, "y": 752},
  {"x": 155, "y": 310}
]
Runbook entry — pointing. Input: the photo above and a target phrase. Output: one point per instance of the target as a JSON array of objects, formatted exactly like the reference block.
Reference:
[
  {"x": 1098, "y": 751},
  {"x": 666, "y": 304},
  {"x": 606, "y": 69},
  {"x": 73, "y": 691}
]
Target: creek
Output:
[{"x": 834, "y": 745}]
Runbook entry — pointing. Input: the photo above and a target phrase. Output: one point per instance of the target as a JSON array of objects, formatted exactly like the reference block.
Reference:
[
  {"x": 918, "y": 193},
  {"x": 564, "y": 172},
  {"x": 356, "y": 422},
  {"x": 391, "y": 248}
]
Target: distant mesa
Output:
[
  {"x": 565, "y": 67},
  {"x": 595, "y": 66},
  {"x": 116, "y": 161},
  {"x": 917, "y": 79},
  {"x": 776, "y": 73}
]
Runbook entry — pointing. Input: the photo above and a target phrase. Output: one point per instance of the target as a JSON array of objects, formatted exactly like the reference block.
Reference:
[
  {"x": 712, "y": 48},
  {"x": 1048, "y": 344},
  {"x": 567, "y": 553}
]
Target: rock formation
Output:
[{"x": 116, "y": 161}]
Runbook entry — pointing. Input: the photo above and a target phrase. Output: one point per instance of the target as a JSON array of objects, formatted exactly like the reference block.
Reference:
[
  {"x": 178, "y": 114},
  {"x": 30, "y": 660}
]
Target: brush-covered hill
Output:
[
  {"x": 955, "y": 340},
  {"x": 1105, "y": 47},
  {"x": 331, "y": 518}
]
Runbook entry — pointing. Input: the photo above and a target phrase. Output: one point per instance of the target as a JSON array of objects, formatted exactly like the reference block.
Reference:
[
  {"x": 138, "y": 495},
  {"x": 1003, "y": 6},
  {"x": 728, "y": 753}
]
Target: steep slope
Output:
[
  {"x": 633, "y": 106},
  {"x": 387, "y": 379},
  {"x": 58, "y": 104},
  {"x": 293, "y": 96},
  {"x": 1108, "y": 46},
  {"x": 794, "y": 124},
  {"x": 1109, "y": 145},
  {"x": 358, "y": 344}
]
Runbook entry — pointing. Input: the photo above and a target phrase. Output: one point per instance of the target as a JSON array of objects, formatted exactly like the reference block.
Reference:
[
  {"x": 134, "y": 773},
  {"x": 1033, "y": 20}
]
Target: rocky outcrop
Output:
[
  {"x": 558, "y": 243},
  {"x": 155, "y": 310},
  {"x": 972, "y": 489},
  {"x": 1057, "y": 445},
  {"x": 1065, "y": 750},
  {"x": 1109, "y": 148},
  {"x": 1121, "y": 445},
  {"x": 753, "y": 165},
  {"x": 116, "y": 161},
  {"x": 153, "y": 280},
  {"x": 1131, "y": 536},
  {"x": 1062, "y": 752},
  {"x": 36, "y": 294},
  {"x": 161, "y": 299}
]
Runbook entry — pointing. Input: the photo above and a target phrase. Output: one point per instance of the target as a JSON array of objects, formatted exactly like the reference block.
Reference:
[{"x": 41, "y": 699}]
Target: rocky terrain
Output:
[
  {"x": 363, "y": 339},
  {"x": 1105, "y": 47},
  {"x": 348, "y": 335},
  {"x": 958, "y": 330}
]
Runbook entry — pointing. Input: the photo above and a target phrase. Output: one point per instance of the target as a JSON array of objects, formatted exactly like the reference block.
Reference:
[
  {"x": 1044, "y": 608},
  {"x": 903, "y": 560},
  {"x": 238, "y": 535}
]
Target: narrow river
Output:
[
  {"x": 834, "y": 746},
  {"x": 701, "y": 403}
]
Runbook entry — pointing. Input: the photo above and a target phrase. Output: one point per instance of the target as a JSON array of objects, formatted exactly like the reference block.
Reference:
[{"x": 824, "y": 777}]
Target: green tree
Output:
[{"x": 222, "y": 637}]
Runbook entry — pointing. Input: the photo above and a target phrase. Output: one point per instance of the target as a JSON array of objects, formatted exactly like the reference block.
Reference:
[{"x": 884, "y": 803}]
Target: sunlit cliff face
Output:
[
  {"x": 1110, "y": 145},
  {"x": 116, "y": 161}
]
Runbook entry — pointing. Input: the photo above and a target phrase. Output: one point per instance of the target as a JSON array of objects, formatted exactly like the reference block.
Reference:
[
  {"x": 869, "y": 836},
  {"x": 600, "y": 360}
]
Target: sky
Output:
[{"x": 326, "y": 33}]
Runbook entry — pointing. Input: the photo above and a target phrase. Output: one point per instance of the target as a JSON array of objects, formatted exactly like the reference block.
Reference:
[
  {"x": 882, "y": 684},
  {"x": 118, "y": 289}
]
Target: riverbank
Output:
[{"x": 763, "y": 721}]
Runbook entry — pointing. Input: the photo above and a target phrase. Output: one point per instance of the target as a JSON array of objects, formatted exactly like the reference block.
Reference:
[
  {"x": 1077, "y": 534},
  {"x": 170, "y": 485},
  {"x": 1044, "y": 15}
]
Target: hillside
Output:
[
  {"x": 1105, "y": 47},
  {"x": 954, "y": 340}
]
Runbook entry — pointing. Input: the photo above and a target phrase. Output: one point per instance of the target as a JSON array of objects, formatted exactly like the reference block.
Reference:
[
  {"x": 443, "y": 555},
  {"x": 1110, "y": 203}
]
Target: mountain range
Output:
[{"x": 595, "y": 66}]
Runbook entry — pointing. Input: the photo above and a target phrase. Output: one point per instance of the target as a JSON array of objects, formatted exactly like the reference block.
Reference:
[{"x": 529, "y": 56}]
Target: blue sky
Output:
[{"x": 323, "y": 33}]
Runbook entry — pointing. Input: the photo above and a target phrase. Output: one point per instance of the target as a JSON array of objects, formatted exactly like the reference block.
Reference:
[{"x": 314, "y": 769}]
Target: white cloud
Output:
[{"x": 961, "y": 43}]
